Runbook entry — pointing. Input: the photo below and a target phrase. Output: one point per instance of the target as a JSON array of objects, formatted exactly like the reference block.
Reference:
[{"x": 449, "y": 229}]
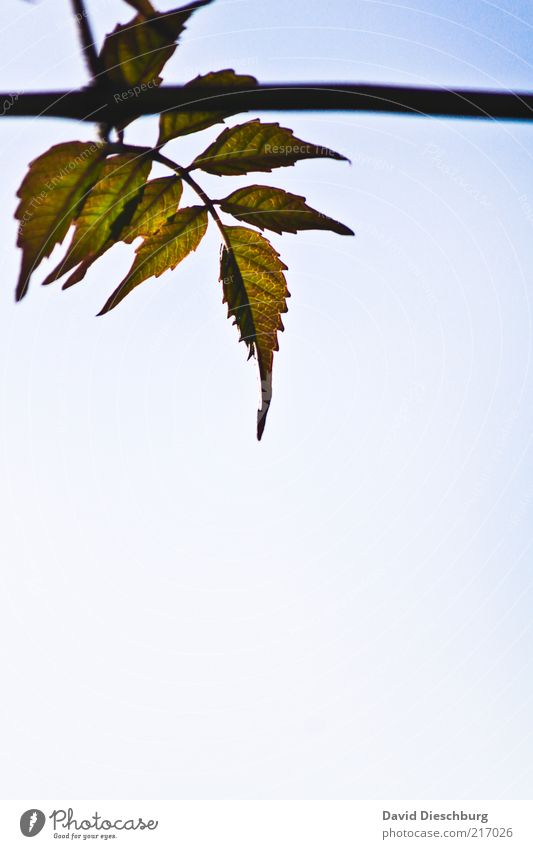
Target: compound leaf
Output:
[
  {"x": 177, "y": 123},
  {"x": 135, "y": 53},
  {"x": 109, "y": 208},
  {"x": 109, "y": 197},
  {"x": 256, "y": 293},
  {"x": 163, "y": 250},
  {"x": 50, "y": 197},
  {"x": 274, "y": 209},
  {"x": 257, "y": 147}
]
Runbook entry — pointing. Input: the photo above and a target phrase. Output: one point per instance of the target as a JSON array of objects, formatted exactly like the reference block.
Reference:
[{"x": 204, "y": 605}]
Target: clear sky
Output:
[{"x": 343, "y": 610}]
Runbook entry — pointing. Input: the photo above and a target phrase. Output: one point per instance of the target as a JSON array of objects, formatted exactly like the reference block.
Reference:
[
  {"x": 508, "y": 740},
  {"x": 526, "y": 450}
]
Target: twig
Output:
[
  {"x": 182, "y": 173},
  {"x": 87, "y": 42},
  {"x": 206, "y": 200}
]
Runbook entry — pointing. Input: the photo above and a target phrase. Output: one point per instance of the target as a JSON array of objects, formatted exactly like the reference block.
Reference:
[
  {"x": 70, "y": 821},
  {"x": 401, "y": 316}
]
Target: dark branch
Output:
[
  {"x": 93, "y": 104},
  {"x": 87, "y": 40}
]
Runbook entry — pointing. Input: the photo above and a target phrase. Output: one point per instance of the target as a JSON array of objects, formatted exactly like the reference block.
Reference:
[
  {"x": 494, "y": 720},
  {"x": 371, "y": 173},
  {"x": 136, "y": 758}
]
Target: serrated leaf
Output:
[
  {"x": 50, "y": 197},
  {"x": 108, "y": 209},
  {"x": 160, "y": 200},
  {"x": 163, "y": 251},
  {"x": 255, "y": 146},
  {"x": 274, "y": 209},
  {"x": 157, "y": 201},
  {"x": 135, "y": 53},
  {"x": 177, "y": 123},
  {"x": 256, "y": 293}
]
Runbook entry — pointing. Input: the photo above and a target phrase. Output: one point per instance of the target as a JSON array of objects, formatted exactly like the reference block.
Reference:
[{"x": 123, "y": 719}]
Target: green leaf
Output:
[
  {"x": 135, "y": 53},
  {"x": 257, "y": 147},
  {"x": 157, "y": 201},
  {"x": 163, "y": 250},
  {"x": 274, "y": 209},
  {"x": 50, "y": 197},
  {"x": 256, "y": 293},
  {"x": 153, "y": 204},
  {"x": 177, "y": 123},
  {"x": 109, "y": 208},
  {"x": 160, "y": 200}
]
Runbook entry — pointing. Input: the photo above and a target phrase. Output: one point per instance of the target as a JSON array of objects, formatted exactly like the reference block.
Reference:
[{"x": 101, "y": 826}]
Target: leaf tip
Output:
[
  {"x": 22, "y": 286},
  {"x": 266, "y": 398},
  {"x": 261, "y": 421},
  {"x": 345, "y": 231},
  {"x": 106, "y": 307}
]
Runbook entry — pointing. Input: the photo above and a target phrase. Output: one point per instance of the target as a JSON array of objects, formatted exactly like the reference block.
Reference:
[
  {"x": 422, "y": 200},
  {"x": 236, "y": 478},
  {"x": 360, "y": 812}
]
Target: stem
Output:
[
  {"x": 87, "y": 41},
  {"x": 186, "y": 177},
  {"x": 183, "y": 174}
]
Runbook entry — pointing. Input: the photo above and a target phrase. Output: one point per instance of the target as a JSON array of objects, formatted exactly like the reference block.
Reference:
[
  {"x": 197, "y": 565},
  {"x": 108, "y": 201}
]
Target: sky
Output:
[{"x": 344, "y": 609}]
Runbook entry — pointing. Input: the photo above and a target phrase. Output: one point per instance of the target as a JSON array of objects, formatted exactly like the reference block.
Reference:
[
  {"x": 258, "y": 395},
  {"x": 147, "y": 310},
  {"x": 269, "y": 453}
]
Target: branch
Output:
[
  {"x": 112, "y": 106},
  {"x": 87, "y": 41}
]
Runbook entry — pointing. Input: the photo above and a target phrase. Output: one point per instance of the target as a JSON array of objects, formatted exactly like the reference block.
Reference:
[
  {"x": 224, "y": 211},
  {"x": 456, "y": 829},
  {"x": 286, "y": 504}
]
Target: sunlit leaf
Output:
[
  {"x": 153, "y": 204},
  {"x": 274, "y": 209},
  {"x": 256, "y": 293},
  {"x": 104, "y": 190},
  {"x": 109, "y": 208},
  {"x": 160, "y": 200},
  {"x": 178, "y": 123},
  {"x": 135, "y": 53},
  {"x": 163, "y": 250},
  {"x": 257, "y": 147},
  {"x": 50, "y": 197}
]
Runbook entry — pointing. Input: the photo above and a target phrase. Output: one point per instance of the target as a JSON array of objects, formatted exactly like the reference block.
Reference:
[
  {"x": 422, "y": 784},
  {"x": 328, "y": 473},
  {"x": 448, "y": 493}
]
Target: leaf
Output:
[
  {"x": 109, "y": 207},
  {"x": 257, "y": 147},
  {"x": 51, "y": 194},
  {"x": 163, "y": 250},
  {"x": 177, "y": 123},
  {"x": 135, "y": 53},
  {"x": 256, "y": 293},
  {"x": 160, "y": 200},
  {"x": 154, "y": 203},
  {"x": 142, "y": 6},
  {"x": 274, "y": 209}
]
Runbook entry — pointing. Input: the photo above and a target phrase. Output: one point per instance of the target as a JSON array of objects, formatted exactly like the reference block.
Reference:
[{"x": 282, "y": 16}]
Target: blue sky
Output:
[{"x": 341, "y": 611}]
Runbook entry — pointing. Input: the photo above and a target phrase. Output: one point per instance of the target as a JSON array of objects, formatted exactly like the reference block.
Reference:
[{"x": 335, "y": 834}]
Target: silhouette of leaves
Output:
[
  {"x": 256, "y": 293},
  {"x": 163, "y": 250},
  {"x": 255, "y": 146},
  {"x": 104, "y": 190},
  {"x": 274, "y": 209},
  {"x": 136, "y": 53},
  {"x": 108, "y": 208},
  {"x": 50, "y": 197},
  {"x": 178, "y": 123}
]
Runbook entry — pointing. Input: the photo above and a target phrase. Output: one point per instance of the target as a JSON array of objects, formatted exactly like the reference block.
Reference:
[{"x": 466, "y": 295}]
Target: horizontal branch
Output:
[{"x": 95, "y": 104}]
